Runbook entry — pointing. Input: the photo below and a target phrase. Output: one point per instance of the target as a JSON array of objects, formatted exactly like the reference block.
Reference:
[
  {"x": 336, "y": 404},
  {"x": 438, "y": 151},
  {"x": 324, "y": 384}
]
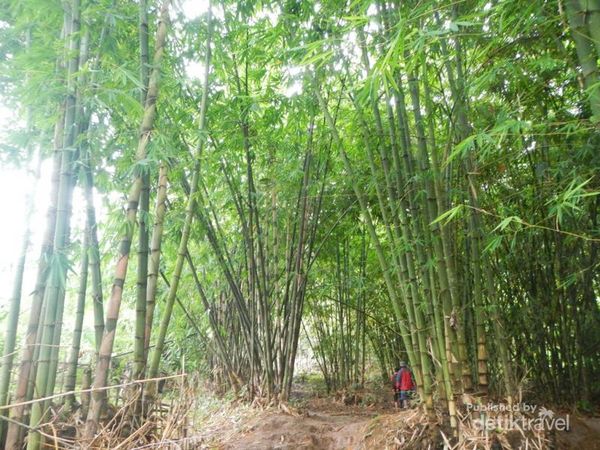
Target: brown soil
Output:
[
  {"x": 326, "y": 424},
  {"x": 583, "y": 435},
  {"x": 311, "y": 430},
  {"x": 336, "y": 423},
  {"x": 364, "y": 430}
]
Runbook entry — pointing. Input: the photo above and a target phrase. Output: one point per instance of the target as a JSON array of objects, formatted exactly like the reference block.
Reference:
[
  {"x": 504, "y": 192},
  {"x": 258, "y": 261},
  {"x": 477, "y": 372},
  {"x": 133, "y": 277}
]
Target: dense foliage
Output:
[{"x": 382, "y": 180}]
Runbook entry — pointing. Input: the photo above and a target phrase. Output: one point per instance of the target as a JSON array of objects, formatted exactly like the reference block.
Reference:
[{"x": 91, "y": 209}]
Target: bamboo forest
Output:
[{"x": 300, "y": 224}]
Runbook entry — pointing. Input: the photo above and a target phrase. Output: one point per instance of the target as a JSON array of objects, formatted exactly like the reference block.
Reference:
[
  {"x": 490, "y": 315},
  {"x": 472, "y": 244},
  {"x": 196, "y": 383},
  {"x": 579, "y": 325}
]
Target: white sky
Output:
[
  {"x": 194, "y": 8},
  {"x": 18, "y": 184},
  {"x": 15, "y": 185}
]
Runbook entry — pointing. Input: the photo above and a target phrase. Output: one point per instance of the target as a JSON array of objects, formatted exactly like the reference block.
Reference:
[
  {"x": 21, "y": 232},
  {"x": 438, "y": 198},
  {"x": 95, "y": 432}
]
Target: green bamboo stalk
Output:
[
  {"x": 88, "y": 185},
  {"x": 10, "y": 338},
  {"x": 154, "y": 263},
  {"x": 142, "y": 276},
  {"x": 144, "y": 207},
  {"x": 296, "y": 290},
  {"x": 190, "y": 209},
  {"x": 405, "y": 235},
  {"x": 405, "y": 271},
  {"x": 255, "y": 244},
  {"x": 477, "y": 263},
  {"x": 86, "y": 381},
  {"x": 221, "y": 347},
  {"x": 584, "y": 45},
  {"x": 591, "y": 12},
  {"x": 430, "y": 209},
  {"x": 438, "y": 319},
  {"x": 144, "y": 51},
  {"x": 57, "y": 279},
  {"x": 58, "y": 317},
  {"x": 114, "y": 304},
  {"x": 94, "y": 252},
  {"x": 369, "y": 223},
  {"x": 71, "y": 377},
  {"x": 72, "y": 136},
  {"x": 25, "y": 380}
]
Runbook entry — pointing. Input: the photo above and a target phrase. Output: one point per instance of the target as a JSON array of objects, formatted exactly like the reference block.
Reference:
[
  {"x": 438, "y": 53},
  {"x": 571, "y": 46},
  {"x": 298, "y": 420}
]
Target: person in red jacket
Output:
[{"x": 403, "y": 385}]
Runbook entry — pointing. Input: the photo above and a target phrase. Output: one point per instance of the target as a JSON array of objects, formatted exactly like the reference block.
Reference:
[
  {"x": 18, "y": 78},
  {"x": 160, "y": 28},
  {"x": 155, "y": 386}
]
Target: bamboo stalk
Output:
[
  {"x": 154, "y": 263},
  {"x": 114, "y": 304},
  {"x": 586, "y": 54},
  {"x": 55, "y": 290},
  {"x": 71, "y": 376},
  {"x": 144, "y": 207},
  {"x": 191, "y": 205}
]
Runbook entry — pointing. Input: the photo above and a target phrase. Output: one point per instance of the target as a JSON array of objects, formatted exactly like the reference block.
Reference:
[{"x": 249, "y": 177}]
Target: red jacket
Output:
[{"x": 402, "y": 380}]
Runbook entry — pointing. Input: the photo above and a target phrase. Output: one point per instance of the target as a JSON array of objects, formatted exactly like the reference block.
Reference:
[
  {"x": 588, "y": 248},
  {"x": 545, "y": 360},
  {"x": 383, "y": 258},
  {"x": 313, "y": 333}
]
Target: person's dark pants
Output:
[{"x": 401, "y": 398}]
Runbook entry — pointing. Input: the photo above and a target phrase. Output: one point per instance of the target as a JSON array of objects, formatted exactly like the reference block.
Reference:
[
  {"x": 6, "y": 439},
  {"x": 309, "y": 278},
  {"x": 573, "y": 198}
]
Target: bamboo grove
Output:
[{"x": 376, "y": 180}]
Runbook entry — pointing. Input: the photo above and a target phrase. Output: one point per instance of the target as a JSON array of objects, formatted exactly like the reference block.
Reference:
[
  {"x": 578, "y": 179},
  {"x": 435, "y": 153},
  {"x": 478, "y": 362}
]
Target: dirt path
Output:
[
  {"x": 330, "y": 424},
  {"x": 320, "y": 423},
  {"x": 583, "y": 435},
  {"x": 311, "y": 430}
]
